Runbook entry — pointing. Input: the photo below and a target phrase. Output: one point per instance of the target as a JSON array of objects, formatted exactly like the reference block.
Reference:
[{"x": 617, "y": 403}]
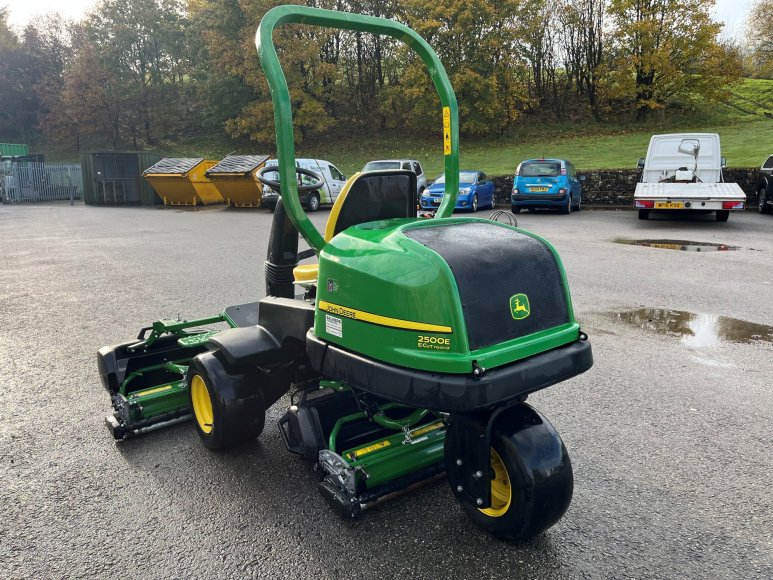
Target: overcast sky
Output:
[{"x": 731, "y": 12}]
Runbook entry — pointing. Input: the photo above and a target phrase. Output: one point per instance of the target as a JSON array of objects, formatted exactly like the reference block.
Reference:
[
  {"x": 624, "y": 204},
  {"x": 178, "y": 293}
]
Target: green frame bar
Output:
[{"x": 283, "y": 117}]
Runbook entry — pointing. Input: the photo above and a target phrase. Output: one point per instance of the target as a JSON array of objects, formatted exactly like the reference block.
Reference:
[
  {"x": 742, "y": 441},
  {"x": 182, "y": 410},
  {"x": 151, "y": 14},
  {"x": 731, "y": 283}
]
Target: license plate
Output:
[
  {"x": 538, "y": 189},
  {"x": 669, "y": 205},
  {"x": 436, "y": 201}
]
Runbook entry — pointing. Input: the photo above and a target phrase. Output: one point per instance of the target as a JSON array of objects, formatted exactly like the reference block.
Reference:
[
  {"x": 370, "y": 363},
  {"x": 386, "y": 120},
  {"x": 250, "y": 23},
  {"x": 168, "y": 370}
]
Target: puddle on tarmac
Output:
[
  {"x": 696, "y": 330},
  {"x": 684, "y": 245}
]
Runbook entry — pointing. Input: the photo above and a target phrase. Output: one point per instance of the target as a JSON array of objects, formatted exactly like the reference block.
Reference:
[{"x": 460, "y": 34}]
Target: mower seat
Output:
[{"x": 365, "y": 197}]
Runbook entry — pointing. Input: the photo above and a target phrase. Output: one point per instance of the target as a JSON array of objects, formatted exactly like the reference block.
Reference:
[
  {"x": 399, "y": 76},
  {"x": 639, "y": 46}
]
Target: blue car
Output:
[
  {"x": 475, "y": 191},
  {"x": 547, "y": 183}
]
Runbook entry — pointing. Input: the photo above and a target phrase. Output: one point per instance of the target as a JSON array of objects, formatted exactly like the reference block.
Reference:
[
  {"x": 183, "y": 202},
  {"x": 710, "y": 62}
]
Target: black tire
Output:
[
  {"x": 644, "y": 214},
  {"x": 516, "y": 209},
  {"x": 722, "y": 215},
  {"x": 763, "y": 200},
  {"x": 578, "y": 207},
  {"x": 313, "y": 203},
  {"x": 539, "y": 476},
  {"x": 236, "y": 413},
  {"x": 474, "y": 203},
  {"x": 493, "y": 201},
  {"x": 567, "y": 209}
]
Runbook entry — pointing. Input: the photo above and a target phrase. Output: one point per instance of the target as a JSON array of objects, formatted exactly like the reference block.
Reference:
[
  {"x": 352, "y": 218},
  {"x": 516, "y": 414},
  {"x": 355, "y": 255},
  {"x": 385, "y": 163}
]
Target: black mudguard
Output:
[
  {"x": 252, "y": 345},
  {"x": 278, "y": 337}
]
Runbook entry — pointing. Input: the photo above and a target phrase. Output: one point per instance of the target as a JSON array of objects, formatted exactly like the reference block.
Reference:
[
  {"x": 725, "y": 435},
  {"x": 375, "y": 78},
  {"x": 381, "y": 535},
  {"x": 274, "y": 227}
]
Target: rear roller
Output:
[
  {"x": 227, "y": 405},
  {"x": 531, "y": 477}
]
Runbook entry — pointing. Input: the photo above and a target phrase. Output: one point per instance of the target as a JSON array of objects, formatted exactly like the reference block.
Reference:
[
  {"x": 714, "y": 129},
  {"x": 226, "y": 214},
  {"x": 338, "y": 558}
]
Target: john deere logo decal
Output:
[{"x": 519, "y": 306}]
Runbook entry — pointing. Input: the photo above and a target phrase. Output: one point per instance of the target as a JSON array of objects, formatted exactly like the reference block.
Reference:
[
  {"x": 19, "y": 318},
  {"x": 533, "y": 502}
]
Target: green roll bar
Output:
[{"x": 283, "y": 116}]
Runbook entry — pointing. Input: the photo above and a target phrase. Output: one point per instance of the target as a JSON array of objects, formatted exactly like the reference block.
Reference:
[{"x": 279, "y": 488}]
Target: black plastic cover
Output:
[
  {"x": 286, "y": 317},
  {"x": 378, "y": 195},
  {"x": 491, "y": 263},
  {"x": 241, "y": 164},
  {"x": 179, "y": 165},
  {"x": 243, "y": 314},
  {"x": 449, "y": 392}
]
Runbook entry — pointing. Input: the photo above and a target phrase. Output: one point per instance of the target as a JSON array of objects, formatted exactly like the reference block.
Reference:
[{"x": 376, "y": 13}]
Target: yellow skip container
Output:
[
  {"x": 183, "y": 181},
  {"x": 235, "y": 178}
]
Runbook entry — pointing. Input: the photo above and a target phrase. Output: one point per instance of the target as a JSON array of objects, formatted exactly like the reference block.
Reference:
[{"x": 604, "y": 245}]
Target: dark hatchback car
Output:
[{"x": 765, "y": 186}]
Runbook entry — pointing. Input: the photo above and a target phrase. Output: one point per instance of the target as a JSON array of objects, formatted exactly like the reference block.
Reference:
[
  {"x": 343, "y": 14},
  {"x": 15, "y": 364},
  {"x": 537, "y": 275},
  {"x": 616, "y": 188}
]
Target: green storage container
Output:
[
  {"x": 115, "y": 178},
  {"x": 13, "y": 150}
]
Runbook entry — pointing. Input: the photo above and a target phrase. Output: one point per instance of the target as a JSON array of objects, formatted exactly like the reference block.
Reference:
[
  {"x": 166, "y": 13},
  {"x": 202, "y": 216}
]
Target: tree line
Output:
[{"x": 143, "y": 72}]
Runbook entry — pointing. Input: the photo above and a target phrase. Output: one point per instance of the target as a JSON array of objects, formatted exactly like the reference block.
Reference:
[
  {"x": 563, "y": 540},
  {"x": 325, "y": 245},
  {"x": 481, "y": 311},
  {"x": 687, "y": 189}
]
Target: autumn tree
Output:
[
  {"x": 227, "y": 28},
  {"x": 10, "y": 59},
  {"x": 668, "y": 50},
  {"x": 87, "y": 108},
  {"x": 141, "y": 43},
  {"x": 760, "y": 38},
  {"x": 583, "y": 44},
  {"x": 475, "y": 42}
]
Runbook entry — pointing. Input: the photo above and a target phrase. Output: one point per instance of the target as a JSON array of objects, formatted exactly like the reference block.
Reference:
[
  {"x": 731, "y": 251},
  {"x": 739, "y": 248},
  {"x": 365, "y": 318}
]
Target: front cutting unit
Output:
[{"x": 409, "y": 356}]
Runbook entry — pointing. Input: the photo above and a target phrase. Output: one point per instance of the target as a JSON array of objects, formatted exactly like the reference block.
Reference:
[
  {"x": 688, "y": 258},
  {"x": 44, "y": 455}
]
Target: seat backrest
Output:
[{"x": 372, "y": 196}]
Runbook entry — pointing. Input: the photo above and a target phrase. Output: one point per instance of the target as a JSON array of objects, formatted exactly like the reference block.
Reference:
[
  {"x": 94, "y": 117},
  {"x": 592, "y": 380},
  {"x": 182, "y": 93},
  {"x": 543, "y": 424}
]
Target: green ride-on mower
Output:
[{"x": 410, "y": 354}]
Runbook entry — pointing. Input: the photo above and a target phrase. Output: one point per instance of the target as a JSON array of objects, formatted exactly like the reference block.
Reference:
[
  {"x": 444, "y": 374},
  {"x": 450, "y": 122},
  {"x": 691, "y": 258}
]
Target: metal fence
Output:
[{"x": 23, "y": 182}]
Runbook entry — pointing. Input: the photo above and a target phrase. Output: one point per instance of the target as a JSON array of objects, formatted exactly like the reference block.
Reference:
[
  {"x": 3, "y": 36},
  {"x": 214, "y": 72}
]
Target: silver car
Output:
[{"x": 409, "y": 164}]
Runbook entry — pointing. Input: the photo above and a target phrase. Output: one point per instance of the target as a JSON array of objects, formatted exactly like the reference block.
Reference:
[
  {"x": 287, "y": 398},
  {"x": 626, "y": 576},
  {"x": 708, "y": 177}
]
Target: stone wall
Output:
[{"x": 615, "y": 187}]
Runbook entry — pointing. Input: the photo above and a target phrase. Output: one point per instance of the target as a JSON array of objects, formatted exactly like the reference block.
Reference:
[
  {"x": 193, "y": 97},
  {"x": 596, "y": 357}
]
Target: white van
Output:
[
  {"x": 333, "y": 180},
  {"x": 683, "y": 172}
]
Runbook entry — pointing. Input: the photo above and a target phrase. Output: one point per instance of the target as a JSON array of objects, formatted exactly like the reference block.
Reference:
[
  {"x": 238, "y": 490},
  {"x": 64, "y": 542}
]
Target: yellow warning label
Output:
[
  {"x": 370, "y": 449},
  {"x": 446, "y": 131},
  {"x": 426, "y": 429}
]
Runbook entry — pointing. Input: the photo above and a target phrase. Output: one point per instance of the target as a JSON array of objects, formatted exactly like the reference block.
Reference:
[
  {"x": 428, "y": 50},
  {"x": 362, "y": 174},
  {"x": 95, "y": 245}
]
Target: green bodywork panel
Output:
[{"x": 374, "y": 269}]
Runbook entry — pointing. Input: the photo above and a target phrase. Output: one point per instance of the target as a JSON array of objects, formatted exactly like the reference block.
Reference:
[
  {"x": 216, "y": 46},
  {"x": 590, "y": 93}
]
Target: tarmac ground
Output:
[{"x": 670, "y": 433}]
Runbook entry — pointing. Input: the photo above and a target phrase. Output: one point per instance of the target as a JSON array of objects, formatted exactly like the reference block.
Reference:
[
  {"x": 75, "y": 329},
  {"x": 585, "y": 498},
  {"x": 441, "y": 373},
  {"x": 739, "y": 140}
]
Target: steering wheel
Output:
[{"x": 299, "y": 170}]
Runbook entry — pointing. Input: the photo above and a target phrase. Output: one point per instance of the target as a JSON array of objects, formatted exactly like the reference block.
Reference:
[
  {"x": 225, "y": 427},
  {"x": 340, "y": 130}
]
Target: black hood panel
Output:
[{"x": 491, "y": 265}]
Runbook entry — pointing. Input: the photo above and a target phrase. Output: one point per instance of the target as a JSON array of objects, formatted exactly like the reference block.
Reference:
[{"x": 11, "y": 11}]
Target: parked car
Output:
[
  {"x": 547, "y": 183},
  {"x": 333, "y": 180},
  {"x": 475, "y": 190},
  {"x": 765, "y": 186},
  {"x": 408, "y": 164}
]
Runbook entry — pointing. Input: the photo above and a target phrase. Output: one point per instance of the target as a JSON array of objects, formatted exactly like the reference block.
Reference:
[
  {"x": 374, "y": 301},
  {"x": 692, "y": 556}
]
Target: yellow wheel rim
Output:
[
  {"x": 202, "y": 404},
  {"x": 501, "y": 492}
]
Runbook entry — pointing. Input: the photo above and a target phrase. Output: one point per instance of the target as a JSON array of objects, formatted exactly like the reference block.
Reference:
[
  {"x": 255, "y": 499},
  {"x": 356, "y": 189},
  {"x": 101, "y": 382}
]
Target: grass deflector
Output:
[{"x": 405, "y": 359}]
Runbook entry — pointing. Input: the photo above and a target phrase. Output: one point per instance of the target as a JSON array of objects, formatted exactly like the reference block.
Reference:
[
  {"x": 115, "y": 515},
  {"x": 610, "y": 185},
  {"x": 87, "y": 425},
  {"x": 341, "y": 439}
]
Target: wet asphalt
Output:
[{"x": 670, "y": 439}]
